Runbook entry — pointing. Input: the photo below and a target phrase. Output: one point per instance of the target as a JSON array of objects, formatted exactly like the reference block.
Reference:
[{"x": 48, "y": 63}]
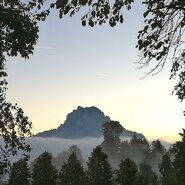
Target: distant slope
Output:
[{"x": 83, "y": 122}]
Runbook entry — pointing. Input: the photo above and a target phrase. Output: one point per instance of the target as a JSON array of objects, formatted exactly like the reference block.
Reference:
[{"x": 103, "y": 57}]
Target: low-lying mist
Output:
[{"x": 57, "y": 145}]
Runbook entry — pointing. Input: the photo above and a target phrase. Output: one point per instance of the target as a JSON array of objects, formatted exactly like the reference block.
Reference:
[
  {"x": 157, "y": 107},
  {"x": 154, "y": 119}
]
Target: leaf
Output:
[
  {"x": 39, "y": 6},
  {"x": 121, "y": 19},
  {"x": 91, "y": 23},
  {"x": 72, "y": 13},
  {"x": 116, "y": 10},
  {"x": 93, "y": 13},
  {"x": 60, "y": 14},
  {"x": 149, "y": 21},
  {"x": 67, "y": 9},
  {"x": 61, "y": 3},
  {"x": 52, "y": 5},
  {"x": 158, "y": 57},
  {"x": 74, "y": 2},
  {"x": 90, "y": 2},
  {"x": 128, "y": 7},
  {"x": 83, "y": 2},
  {"x": 146, "y": 13},
  {"x": 83, "y": 22}
]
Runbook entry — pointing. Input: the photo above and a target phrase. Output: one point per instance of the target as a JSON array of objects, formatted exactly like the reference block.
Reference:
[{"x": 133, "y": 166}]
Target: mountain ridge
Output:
[{"x": 83, "y": 122}]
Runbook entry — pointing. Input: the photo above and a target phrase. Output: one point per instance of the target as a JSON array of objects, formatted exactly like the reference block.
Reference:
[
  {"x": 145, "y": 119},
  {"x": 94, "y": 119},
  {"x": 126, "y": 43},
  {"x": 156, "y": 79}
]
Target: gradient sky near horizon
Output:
[{"x": 83, "y": 66}]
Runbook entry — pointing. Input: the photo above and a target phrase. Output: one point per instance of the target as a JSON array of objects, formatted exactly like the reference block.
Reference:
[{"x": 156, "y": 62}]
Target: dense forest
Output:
[{"x": 114, "y": 162}]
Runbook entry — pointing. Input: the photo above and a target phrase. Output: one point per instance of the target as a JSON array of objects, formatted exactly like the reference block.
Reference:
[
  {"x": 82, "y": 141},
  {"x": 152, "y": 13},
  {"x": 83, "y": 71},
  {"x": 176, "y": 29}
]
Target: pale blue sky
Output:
[{"x": 74, "y": 65}]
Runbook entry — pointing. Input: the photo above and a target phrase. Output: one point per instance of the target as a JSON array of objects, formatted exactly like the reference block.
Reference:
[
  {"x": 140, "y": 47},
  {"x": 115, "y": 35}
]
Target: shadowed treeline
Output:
[{"x": 113, "y": 162}]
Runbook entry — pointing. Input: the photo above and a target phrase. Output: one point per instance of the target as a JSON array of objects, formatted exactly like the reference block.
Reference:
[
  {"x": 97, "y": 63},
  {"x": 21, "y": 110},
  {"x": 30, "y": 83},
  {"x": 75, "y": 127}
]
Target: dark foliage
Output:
[
  {"x": 44, "y": 173},
  {"x": 63, "y": 157},
  {"x": 98, "y": 11},
  {"x": 112, "y": 141},
  {"x": 146, "y": 176},
  {"x": 72, "y": 172},
  {"x": 179, "y": 156},
  {"x": 18, "y": 36},
  {"x": 127, "y": 173},
  {"x": 19, "y": 173},
  {"x": 99, "y": 170},
  {"x": 162, "y": 34},
  {"x": 163, "y": 30},
  {"x": 168, "y": 173}
]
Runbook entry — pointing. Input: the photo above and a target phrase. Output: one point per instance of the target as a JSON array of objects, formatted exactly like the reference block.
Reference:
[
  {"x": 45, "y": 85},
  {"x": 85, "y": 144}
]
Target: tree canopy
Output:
[
  {"x": 72, "y": 172},
  {"x": 99, "y": 169},
  {"x": 168, "y": 173},
  {"x": 160, "y": 38},
  {"x": 179, "y": 153},
  {"x": 19, "y": 173},
  {"x": 111, "y": 132},
  {"x": 127, "y": 173},
  {"x": 44, "y": 173},
  {"x": 18, "y": 36}
]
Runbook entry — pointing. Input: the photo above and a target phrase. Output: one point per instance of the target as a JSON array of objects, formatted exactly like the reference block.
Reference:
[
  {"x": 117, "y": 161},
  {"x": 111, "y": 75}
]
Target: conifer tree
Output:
[
  {"x": 20, "y": 173},
  {"x": 112, "y": 141},
  {"x": 156, "y": 154},
  {"x": 146, "y": 176},
  {"x": 158, "y": 148},
  {"x": 63, "y": 157},
  {"x": 127, "y": 173},
  {"x": 99, "y": 170},
  {"x": 179, "y": 158},
  {"x": 165, "y": 167},
  {"x": 72, "y": 172},
  {"x": 138, "y": 150},
  {"x": 44, "y": 173},
  {"x": 168, "y": 173}
]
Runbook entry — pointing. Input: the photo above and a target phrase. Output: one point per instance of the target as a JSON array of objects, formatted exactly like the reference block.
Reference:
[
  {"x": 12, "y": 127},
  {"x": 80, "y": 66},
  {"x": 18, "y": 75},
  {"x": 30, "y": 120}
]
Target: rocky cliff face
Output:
[{"x": 82, "y": 122}]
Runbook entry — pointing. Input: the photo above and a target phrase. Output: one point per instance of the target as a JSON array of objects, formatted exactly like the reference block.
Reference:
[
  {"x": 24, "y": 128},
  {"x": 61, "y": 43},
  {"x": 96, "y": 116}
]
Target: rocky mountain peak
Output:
[{"x": 82, "y": 122}]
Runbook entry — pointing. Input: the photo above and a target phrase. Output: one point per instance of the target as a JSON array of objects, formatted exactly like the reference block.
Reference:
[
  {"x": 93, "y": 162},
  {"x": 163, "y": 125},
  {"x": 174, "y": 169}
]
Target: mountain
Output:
[{"x": 83, "y": 122}]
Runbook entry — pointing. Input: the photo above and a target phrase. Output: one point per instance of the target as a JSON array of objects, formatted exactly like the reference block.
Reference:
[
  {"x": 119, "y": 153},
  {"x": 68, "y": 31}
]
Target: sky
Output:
[{"x": 75, "y": 66}]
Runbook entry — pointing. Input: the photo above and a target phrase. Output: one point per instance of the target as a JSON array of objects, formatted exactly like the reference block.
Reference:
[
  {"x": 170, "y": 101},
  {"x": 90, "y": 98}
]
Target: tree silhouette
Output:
[
  {"x": 72, "y": 172},
  {"x": 127, "y": 173},
  {"x": 111, "y": 143},
  {"x": 162, "y": 33},
  {"x": 20, "y": 173},
  {"x": 18, "y": 35},
  {"x": 99, "y": 170},
  {"x": 179, "y": 154},
  {"x": 156, "y": 155},
  {"x": 14, "y": 125},
  {"x": 44, "y": 173},
  {"x": 168, "y": 173},
  {"x": 138, "y": 150},
  {"x": 146, "y": 176},
  {"x": 157, "y": 147},
  {"x": 63, "y": 157}
]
